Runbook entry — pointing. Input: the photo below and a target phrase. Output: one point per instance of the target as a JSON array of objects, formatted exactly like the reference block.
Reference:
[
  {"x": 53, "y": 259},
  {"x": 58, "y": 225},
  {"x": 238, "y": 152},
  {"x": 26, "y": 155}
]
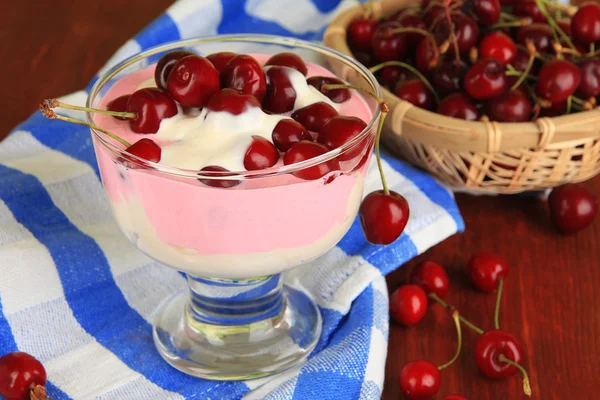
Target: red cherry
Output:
[
  {"x": 512, "y": 106},
  {"x": 289, "y": 60},
  {"x": 426, "y": 56},
  {"x": 306, "y": 150},
  {"x": 432, "y": 278},
  {"x": 446, "y": 78},
  {"x": 336, "y": 95},
  {"x": 287, "y": 132},
  {"x": 454, "y": 397},
  {"x": 590, "y": 78},
  {"x": 465, "y": 29},
  {"x": 557, "y": 80},
  {"x": 364, "y": 58},
  {"x": 383, "y": 217},
  {"x": 165, "y": 65},
  {"x": 488, "y": 348},
  {"x": 585, "y": 26},
  {"x": 485, "y": 79},
  {"x": 389, "y": 76},
  {"x": 389, "y": 46},
  {"x": 338, "y": 131},
  {"x": 231, "y": 101},
  {"x": 18, "y": 371},
  {"x": 261, "y": 154},
  {"x": 146, "y": 149},
  {"x": 498, "y": 45},
  {"x": 119, "y": 104},
  {"x": 521, "y": 61},
  {"x": 192, "y": 81},
  {"x": 572, "y": 208},
  {"x": 315, "y": 115},
  {"x": 565, "y": 25},
  {"x": 281, "y": 96},
  {"x": 244, "y": 73},
  {"x": 220, "y": 59},
  {"x": 540, "y": 36},
  {"x": 487, "y": 11},
  {"x": 485, "y": 269},
  {"x": 408, "y": 305},
  {"x": 361, "y": 32},
  {"x": 151, "y": 105},
  {"x": 528, "y": 8},
  {"x": 217, "y": 183},
  {"x": 458, "y": 105},
  {"x": 419, "y": 380},
  {"x": 411, "y": 20},
  {"x": 415, "y": 92},
  {"x": 434, "y": 13}
]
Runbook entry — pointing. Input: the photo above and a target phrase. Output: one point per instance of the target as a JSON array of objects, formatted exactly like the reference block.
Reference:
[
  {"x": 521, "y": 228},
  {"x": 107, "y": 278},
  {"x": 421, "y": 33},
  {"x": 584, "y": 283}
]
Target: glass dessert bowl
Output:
[{"x": 233, "y": 232}]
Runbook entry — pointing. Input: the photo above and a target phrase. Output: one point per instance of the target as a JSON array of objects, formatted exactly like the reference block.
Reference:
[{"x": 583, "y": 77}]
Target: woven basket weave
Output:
[{"x": 483, "y": 156}]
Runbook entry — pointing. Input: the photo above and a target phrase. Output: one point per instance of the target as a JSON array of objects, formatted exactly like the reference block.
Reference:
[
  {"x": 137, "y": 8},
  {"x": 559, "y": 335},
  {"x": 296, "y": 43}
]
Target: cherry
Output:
[
  {"x": 521, "y": 61},
  {"x": 221, "y": 59},
  {"x": 281, "y": 96},
  {"x": 458, "y": 105},
  {"x": 539, "y": 34},
  {"x": 434, "y": 14},
  {"x": 217, "y": 183},
  {"x": 590, "y": 78},
  {"x": 427, "y": 55},
  {"x": 557, "y": 80},
  {"x": 565, "y": 25},
  {"x": 415, "y": 92},
  {"x": 389, "y": 76},
  {"x": 585, "y": 25},
  {"x": 305, "y": 150},
  {"x": 488, "y": 349},
  {"x": 572, "y": 207},
  {"x": 151, "y": 106},
  {"x": 485, "y": 269},
  {"x": 146, "y": 149},
  {"x": 485, "y": 79},
  {"x": 465, "y": 29},
  {"x": 231, "y": 101},
  {"x": 361, "y": 32},
  {"x": 338, "y": 131},
  {"x": 18, "y": 371},
  {"x": 419, "y": 380},
  {"x": 192, "y": 81},
  {"x": 383, "y": 216},
  {"x": 408, "y": 305},
  {"x": 165, "y": 65},
  {"x": 512, "y": 106},
  {"x": 261, "y": 154},
  {"x": 315, "y": 115},
  {"x": 411, "y": 20},
  {"x": 487, "y": 11},
  {"x": 244, "y": 73},
  {"x": 119, "y": 105},
  {"x": 500, "y": 46},
  {"x": 387, "y": 45},
  {"x": 364, "y": 58},
  {"x": 287, "y": 132},
  {"x": 432, "y": 278},
  {"x": 335, "y": 95},
  {"x": 528, "y": 8},
  {"x": 289, "y": 60},
  {"x": 446, "y": 79},
  {"x": 454, "y": 397}
]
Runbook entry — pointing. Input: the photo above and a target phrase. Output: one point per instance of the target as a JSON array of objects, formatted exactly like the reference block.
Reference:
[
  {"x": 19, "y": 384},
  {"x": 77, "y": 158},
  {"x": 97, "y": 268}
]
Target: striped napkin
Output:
[{"x": 79, "y": 297}]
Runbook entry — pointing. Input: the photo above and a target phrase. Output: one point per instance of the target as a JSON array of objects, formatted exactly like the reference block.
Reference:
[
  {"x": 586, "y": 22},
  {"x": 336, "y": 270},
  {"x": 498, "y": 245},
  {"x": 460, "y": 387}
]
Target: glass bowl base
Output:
[{"x": 237, "y": 352}]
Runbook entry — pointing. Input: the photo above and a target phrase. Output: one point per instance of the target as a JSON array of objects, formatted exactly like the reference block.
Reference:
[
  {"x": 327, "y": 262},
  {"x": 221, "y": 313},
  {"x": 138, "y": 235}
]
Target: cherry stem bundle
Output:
[
  {"x": 526, "y": 383},
  {"x": 497, "y": 307},
  {"x": 474, "y": 327},
  {"x": 456, "y": 318},
  {"x": 55, "y": 103},
  {"x": 409, "y": 68},
  {"x": 556, "y": 29}
]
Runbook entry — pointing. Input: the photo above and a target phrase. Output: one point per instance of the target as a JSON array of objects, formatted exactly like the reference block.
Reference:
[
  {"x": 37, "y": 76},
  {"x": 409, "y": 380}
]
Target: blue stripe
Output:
[
  {"x": 92, "y": 294},
  {"x": 162, "y": 30},
  {"x": 326, "y": 6}
]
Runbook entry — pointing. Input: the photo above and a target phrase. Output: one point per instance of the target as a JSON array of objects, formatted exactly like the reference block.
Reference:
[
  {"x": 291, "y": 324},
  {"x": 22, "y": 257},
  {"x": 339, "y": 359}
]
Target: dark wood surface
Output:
[{"x": 551, "y": 303}]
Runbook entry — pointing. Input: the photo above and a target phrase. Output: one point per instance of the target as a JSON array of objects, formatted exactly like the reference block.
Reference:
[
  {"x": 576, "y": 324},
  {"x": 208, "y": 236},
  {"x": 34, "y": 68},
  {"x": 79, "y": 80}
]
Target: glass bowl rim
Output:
[{"x": 234, "y": 175}]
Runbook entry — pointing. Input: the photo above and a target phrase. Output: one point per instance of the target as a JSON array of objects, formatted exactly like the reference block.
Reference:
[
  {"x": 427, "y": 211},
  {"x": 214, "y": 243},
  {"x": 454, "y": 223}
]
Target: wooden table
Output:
[{"x": 551, "y": 298}]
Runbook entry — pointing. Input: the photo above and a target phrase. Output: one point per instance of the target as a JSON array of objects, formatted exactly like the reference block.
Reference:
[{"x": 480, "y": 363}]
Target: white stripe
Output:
[
  {"x": 280, "y": 386},
  {"x": 127, "y": 50},
  {"x": 196, "y": 18}
]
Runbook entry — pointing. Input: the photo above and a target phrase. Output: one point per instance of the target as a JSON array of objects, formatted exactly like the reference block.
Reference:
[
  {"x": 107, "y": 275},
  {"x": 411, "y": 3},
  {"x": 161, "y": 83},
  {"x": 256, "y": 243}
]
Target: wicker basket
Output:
[{"x": 484, "y": 156}]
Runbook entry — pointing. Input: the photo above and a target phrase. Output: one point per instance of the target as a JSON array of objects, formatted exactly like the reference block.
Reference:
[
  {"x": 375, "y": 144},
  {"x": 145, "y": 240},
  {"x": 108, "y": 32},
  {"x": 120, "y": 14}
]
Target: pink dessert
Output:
[{"x": 235, "y": 229}]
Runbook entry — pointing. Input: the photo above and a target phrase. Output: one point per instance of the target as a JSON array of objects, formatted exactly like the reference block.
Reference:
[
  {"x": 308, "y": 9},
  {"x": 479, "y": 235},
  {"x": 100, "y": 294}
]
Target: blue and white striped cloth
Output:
[{"x": 80, "y": 298}]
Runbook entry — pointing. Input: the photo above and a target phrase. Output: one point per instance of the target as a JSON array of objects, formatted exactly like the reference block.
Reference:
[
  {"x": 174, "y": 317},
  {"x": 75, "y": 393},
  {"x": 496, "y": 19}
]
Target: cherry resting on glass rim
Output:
[
  {"x": 232, "y": 101},
  {"x": 245, "y": 74},
  {"x": 415, "y": 92},
  {"x": 281, "y": 96},
  {"x": 151, "y": 105},
  {"x": 419, "y": 380},
  {"x": 431, "y": 277},
  {"x": 499, "y": 46},
  {"x": 287, "y": 132},
  {"x": 146, "y": 149},
  {"x": 18, "y": 371},
  {"x": 572, "y": 207},
  {"x": 360, "y": 33},
  {"x": 166, "y": 64},
  {"x": 220, "y": 59},
  {"x": 383, "y": 217},
  {"x": 485, "y": 269},
  {"x": 389, "y": 46},
  {"x": 459, "y": 105},
  {"x": 338, "y": 131},
  {"x": 485, "y": 79},
  {"x": 557, "y": 80},
  {"x": 218, "y": 183},
  {"x": 192, "y": 81},
  {"x": 306, "y": 150},
  {"x": 335, "y": 95},
  {"x": 512, "y": 106},
  {"x": 289, "y": 60},
  {"x": 488, "y": 348},
  {"x": 585, "y": 26},
  {"x": 590, "y": 78},
  {"x": 314, "y": 116},
  {"x": 260, "y": 155},
  {"x": 408, "y": 305},
  {"x": 487, "y": 11},
  {"x": 120, "y": 105}
]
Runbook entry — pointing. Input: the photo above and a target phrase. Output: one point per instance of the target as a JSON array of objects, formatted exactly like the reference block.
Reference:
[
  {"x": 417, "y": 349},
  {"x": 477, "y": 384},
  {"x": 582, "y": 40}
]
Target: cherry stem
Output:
[
  {"x": 456, "y": 318},
  {"x": 556, "y": 29},
  {"x": 569, "y": 104},
  {"x": 525, "y": 73},
  {"x": 54, "y": 103},
  {"x": 411, "y": 69},
  {"x": 511, "y": 24},
  {"x": 508, "y": 17},
  {"x": 474, "y": 327},
  {"x": 497, "y": 308},
  {"x": 427, "y": 35},
  {"x": 453, "y": 37},
  {"x": 592, "y": 48},
  {"x": 50, "y": 114},
  {"x": 526, "y": 384}
]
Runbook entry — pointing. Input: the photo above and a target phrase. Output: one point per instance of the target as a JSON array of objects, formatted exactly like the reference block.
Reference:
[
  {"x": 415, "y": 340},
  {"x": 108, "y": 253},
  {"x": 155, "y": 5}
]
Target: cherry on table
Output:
[
  {"x": 119, "y": 105},
  {"x": 419, "y": 380},
  {"x": 529, "y": 8},
  {"x": 306, "y": 150},
  {"x": 572, "y": 207},
  {"x": 459, "y": 105},
  {"x": 500, "y": 46},
  {"x": 485, "y": 79},
  {"x": 512, "y": 106},
  {"x": 540, "y": 36},
  {"x": 315, "y": 115},
  {"x": 220, "y": 59},
  {"x": 261, "y": 154},
  {"x": 408, "y": 305},
  {"x": 446, "y": 78},
  {"x": 360, "y": 33},
  {"x": 146, "y": 149},
  {"x": 486, "y": 11},
  {"x": 151, "y": 106},
  {"x": 18, "y": 371},
  {"x": 488, "y": 348},
  {"x": 335, "y": 95},
  {"x": 485, "y": 270},
  {"x": 557, "y": 80},
  {"x": 432, "y": 278},
  {"x": 415, "y": 92},
  {"x": 338, "y": 131},
  {"x": 383, "y": 217},
  {"x": 590, "y": 78},
  {"x": 166, "y": 64},
  {"x": 290, "y": 60},
  {"x": 281, "y": 96},
  {"x": 192, "y": 81},
  {"x": 231, "y": 101},
  {"x": 245, "y": 74},
  {"x": 585, "y": 26},
  {"x": 288, "y": 132},
  {"x": 387, "y": 45},
  {"x": 217, "y": 183}
]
